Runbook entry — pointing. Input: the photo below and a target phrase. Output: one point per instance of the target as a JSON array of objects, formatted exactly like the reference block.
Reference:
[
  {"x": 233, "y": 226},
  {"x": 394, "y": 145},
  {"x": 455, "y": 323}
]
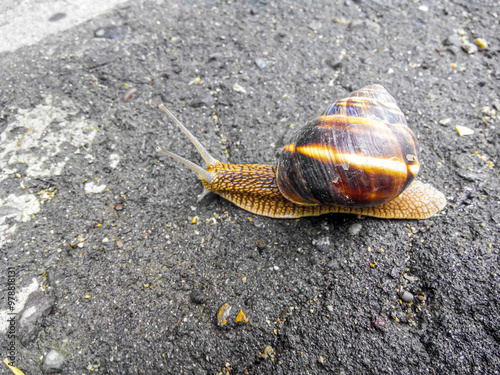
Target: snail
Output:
[{"x": 358, "y": 157}]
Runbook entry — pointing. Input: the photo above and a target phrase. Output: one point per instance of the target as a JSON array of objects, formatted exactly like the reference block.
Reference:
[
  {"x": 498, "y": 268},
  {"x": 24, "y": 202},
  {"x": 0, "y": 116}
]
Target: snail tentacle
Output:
[
  {"x": 205, "y": 175},
  {"x": 202, "y": 173},
  {"x": 209, "y": 159},
  {"x": 202, "y": 195}
]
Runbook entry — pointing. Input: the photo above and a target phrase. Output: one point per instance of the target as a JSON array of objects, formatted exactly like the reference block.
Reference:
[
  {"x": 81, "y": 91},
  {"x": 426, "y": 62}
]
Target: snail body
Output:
[{"x": 358, "y": 157}]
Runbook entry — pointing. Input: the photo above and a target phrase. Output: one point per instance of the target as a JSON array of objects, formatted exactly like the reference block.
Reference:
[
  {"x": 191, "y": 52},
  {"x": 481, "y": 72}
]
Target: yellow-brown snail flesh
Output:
[{"x": 359, "y": 157}]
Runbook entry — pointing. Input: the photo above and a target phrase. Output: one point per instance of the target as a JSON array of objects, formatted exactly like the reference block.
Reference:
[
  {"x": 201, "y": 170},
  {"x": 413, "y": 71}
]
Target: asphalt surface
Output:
[
  {"x": 116, "y": 269},
  {"x": 27, "y": 22}
]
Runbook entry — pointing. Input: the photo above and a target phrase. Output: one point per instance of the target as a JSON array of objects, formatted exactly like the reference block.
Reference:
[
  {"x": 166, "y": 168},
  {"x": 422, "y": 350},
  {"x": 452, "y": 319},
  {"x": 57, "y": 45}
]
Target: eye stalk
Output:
[{"x": 203, "y": 174}]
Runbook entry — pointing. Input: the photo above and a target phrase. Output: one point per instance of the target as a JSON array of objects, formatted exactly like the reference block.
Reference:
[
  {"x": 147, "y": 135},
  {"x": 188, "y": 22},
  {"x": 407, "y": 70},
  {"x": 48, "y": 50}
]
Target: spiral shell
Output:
[{"x": 360, "y": 152}]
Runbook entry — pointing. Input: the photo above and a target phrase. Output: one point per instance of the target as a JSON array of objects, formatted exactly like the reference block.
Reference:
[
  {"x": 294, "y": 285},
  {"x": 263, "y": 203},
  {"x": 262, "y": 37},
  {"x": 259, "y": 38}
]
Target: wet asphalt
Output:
[{"x": 111, "y": 266}]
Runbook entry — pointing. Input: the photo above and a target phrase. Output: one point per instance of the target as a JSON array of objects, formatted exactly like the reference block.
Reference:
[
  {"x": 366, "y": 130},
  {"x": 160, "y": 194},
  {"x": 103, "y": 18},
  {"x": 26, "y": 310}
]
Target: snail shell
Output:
[{"x": 360, "y": 152}]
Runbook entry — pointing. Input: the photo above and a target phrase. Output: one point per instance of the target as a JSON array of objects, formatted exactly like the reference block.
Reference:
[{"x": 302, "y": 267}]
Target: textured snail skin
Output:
[
  {"x": 359, "y": 157},
  {"x": 253, "y": 188}
]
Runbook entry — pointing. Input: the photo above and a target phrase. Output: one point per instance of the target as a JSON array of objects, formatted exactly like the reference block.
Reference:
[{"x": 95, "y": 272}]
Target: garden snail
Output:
[{"x": 358, "y": 157}]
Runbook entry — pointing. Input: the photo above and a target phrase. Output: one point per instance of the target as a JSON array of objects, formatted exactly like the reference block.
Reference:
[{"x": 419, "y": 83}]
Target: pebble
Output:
[
  {"x": 223, "y": 313},
  {"x": 334, "y": 62},
  {"x": 469, "y": 47},
  {"x": 93, "y": 188},
  {"x": 453, "y": 40},
  {"x": 266, "y": 352},
  {"x": 238, "y": 88},
  {"x": 356, "y": 23},
  {"x": 112, "y": 32},
  {"x": 30, "y": 317},
  {"x": 379, "y": 322},
  {"x": 445, "y": 121},
  {"x": 198, "y": 297},
  {"x": 129, "y": 93},
  {"x": 464, "y": 130},
  {"x": 315, "y": 25},
  {"x": 220, "y": 56},
  {"x": 53, "y": 362},
  {"x": 355, "y": 229},
  {"x": 410, "y": 278},
  {"x": 406, "y": 296},
  {"x": 471, "y": 176},
  {"x": 481, "y": 43},
  {"x": 322, "y": 244},
  {"x": 206, "y": 99},
  {"x": 261, "y": 64},
  {"x": 395, "y": 273},
  {"x": 57, "y": 17},
  {"x": 196, "y": 80},
  {"x": 455, "y": 50},
  {"x": 373, "y": 27}
]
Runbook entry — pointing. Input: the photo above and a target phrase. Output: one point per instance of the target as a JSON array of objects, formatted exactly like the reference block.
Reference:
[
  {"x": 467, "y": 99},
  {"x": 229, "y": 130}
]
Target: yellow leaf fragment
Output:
[
  {"x": 14, "y": 369},
  {"x": 481, "y": 42},
  {"x": 241, "y": 317}
]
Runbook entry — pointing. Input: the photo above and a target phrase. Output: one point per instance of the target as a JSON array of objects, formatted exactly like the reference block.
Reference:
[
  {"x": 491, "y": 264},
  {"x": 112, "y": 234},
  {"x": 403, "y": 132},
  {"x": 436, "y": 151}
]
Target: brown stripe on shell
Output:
[
  {"x": 324, "y": 154},
  {"x": 342, "y": 180},
  {"x": 379, "y": 132}
]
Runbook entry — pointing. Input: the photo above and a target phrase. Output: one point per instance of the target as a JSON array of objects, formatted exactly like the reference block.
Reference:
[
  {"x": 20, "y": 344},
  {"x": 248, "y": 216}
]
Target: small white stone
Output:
[
  {"x": 114, "y": 160},
  {"x": 238, "y": 88},
  {"x": 355, "y": 229},
  {"x": 92, "y": 188},
  {"x": 464, "y": 130},
  {"x": 53, "y": 361}
]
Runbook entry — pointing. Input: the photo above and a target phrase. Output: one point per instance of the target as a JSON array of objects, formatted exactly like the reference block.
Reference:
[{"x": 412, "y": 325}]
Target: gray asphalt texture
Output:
[{"x": 131, "y": 271}]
